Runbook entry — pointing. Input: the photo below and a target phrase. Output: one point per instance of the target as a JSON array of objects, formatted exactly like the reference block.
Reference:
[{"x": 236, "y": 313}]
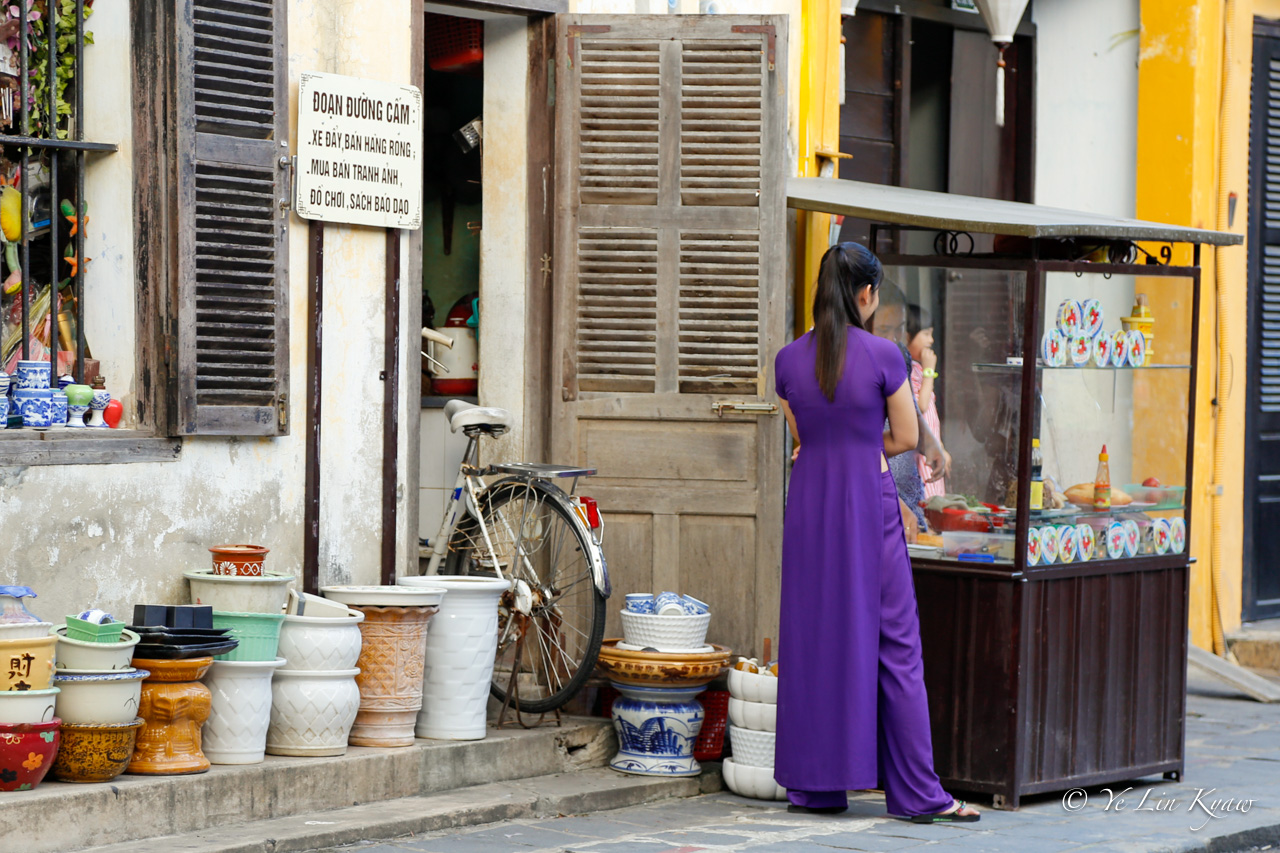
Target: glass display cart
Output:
[{"x": 1053, "y": 608}]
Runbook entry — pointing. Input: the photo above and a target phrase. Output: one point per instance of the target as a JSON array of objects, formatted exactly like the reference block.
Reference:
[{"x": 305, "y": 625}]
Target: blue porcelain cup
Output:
[
  {"x": 36, "y": 406},
  {"x": 668, "y": 604},
  {"x": 693, "y": 606},
  {"x": 58, "y": 411},
  {"x": 34, "y": 375},
  {"x": 640, "y": 602},
  {"x": 4, "y": 411}
]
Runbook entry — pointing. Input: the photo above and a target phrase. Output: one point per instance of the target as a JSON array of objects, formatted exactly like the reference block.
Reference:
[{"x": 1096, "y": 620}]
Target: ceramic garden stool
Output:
[
  {"x": 174, "y": 706},
  {"x": 394, "y": 637},
  {"x": 657, "y": 717}
]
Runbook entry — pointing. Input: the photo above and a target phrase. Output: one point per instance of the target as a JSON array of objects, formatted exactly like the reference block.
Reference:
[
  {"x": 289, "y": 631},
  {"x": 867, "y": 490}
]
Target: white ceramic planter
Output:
[
  {"x": 312, "y": 712},
  {"x": 24, "y": 630},
  {"x": 97, "y": 657},
  {"x": 752, "y": 749},
  {"x": 385, "y": 596},
  {"x": 754, "y": 782},
  {"x": 321, "y": 643},
  {"x": 239, "y": 594},
  {"x": 752, "y": 686},
  {"x": 239, "y": 711},
  {"x": 757, "y": 716},
  {"x": 461, "y": 646},
  {"x": 100, "y": 698},
  {"x": 28, "y": 706}
]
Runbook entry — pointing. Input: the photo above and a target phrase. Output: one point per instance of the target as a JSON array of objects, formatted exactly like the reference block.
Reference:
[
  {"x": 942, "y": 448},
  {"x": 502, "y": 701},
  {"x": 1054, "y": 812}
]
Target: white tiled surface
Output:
[{"x": 441, "y": 455}]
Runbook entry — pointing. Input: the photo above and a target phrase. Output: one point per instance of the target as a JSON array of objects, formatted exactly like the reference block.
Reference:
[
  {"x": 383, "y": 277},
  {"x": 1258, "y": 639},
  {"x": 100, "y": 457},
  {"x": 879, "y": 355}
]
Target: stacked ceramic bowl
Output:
[
  {"x": 664, "y": 623},
  {"x": 314, "y": 697},
  {"x": 98, "y": 702},
  {"x": 753, "y": 718}
]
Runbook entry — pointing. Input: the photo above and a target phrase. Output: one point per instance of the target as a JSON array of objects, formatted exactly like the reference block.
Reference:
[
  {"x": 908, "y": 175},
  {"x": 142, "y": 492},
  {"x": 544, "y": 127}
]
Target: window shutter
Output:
[
  {"x": 673, "y": 131},
  {"x": 232, "y": 310}
]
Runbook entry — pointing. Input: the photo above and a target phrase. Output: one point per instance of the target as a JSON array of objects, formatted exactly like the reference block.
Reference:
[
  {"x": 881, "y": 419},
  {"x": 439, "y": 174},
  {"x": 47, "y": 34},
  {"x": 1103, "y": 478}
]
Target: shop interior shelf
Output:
[{"x": 1015, "y": 368}]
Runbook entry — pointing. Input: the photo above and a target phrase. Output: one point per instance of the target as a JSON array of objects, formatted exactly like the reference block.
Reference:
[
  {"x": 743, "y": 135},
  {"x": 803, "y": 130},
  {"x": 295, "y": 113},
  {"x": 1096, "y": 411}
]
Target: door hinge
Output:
[
  {"x": 290, "y": 167},
  {"x": 282, "y": 410}
]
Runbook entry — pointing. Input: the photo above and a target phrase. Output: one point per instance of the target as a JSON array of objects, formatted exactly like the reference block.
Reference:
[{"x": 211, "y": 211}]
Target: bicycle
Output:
[{"x": 551, "y": 620}]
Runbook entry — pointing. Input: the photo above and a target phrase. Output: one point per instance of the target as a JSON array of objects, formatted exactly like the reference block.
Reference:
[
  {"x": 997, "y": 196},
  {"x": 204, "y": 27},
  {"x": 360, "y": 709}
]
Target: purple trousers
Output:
[{"x": 904, "y": 748}]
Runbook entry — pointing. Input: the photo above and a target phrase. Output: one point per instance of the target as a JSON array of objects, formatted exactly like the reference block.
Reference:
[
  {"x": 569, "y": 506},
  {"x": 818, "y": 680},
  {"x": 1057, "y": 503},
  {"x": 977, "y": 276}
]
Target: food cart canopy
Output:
[{"x": 950, "y": 212}]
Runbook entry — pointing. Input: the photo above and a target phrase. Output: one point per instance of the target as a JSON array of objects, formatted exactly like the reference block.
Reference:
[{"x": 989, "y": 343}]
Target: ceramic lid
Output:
[{"x": 385, "y": 596}]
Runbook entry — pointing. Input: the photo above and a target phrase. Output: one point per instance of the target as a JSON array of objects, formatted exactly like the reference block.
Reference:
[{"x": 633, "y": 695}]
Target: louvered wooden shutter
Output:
[
  {"x": 672, "y": 134},
  {"x": 232, "y": 313}
]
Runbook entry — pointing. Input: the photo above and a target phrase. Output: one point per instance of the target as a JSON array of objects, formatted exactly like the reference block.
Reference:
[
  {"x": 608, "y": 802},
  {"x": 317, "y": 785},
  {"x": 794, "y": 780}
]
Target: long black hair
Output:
[{"x": 846, "y": 268}]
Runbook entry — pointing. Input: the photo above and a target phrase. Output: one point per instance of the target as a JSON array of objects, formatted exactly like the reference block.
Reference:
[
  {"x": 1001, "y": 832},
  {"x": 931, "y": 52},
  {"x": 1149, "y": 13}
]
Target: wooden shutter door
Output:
[
  {"x": 670, "y": 298},
  {"x": 232, "y": 311}
]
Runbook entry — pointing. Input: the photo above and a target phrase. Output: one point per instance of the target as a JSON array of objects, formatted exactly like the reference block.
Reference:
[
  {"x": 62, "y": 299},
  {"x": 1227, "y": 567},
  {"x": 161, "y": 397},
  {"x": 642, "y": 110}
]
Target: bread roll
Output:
[{"x": 1081, "y": 494}]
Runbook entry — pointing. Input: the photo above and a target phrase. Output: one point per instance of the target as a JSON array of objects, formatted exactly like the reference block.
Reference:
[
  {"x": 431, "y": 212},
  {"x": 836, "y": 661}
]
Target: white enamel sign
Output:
[{"x": 359, "y": 151}]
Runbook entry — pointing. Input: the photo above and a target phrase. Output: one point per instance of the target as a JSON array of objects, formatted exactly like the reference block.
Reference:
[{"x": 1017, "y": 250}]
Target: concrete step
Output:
[
  {"x": 59, "y": 816},
  {"x": 1257, "y": 644},
  {"x": 579, "y": 792}
]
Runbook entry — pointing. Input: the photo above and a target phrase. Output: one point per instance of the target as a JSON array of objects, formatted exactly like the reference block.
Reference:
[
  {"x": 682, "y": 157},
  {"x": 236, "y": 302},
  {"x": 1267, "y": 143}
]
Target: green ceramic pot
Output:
[{"x": 79, "y": 395}]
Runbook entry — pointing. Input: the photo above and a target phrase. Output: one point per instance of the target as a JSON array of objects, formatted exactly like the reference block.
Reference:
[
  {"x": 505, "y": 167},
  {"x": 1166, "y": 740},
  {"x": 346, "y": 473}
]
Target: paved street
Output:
[{"x": 1233, "y": 748}]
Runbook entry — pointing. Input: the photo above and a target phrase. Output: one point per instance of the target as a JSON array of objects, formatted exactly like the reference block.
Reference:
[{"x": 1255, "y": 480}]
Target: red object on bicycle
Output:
[
  {"x": 710, "y": 743},
  {"x": 593, "y": 511},
  {"x": 454, "y": 44}
]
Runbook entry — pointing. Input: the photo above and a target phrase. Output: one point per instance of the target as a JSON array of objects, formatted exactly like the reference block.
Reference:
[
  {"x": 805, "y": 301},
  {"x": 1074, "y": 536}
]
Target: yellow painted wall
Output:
[
  {"x": 819, "y": 132},
  {"x": 1183, "y": 163}
]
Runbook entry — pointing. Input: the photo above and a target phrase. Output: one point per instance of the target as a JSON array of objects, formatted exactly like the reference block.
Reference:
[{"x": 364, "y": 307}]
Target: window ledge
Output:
[{"x": 85, "y": 447}]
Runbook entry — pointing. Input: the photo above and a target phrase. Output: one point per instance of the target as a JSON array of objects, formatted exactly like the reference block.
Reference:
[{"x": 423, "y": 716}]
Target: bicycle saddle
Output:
[{"x": 462, "y": 414}]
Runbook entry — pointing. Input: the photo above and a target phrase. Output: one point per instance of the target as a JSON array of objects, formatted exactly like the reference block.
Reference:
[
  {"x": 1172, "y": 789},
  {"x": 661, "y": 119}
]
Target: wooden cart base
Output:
[{"x": 1057, "y": 677}]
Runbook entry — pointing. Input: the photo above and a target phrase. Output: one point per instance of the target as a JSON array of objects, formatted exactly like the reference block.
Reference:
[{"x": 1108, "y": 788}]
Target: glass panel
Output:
[
  {"x": 1135, "y": 404},
  {"x": 976, "y": 319}
]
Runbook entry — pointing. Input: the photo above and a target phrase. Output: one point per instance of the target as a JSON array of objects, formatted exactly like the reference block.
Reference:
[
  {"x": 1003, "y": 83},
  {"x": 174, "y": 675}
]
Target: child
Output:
[{"x": 924, "y": 363}]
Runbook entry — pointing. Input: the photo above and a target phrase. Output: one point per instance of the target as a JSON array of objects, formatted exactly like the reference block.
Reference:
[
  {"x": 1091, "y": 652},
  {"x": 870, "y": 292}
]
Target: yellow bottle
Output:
[{"x": 1102, "y": 483}]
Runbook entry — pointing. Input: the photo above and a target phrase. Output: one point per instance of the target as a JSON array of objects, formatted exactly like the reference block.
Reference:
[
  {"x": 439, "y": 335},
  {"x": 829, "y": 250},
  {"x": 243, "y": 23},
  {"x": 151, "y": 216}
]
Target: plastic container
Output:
[
  {"x": 453, "y": 44},
  {"x": 93, "y": 632},
  {"x": 978, "y": 547},
  {"x": 258, "y": 634},
  {"x": 710, "y": 743}
]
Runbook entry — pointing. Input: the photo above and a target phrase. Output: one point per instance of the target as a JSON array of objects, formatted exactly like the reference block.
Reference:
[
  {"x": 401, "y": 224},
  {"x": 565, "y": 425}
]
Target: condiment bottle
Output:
[
  {"x": 1037, "y": 475},
  {"x": 1102, "y": 482}
]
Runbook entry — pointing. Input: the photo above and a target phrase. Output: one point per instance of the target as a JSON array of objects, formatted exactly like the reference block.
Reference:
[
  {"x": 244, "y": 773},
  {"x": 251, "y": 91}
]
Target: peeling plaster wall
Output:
[{"x": 115, "y": 535}]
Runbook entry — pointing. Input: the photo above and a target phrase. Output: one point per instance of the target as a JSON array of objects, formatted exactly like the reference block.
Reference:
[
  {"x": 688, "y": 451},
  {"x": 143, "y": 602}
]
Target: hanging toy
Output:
[{"x": 69, "y": 213}]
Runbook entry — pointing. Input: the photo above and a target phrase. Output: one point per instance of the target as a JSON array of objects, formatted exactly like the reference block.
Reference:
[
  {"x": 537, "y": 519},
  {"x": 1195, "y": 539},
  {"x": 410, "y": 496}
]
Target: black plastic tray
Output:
[{"x": 155, "y": 651}]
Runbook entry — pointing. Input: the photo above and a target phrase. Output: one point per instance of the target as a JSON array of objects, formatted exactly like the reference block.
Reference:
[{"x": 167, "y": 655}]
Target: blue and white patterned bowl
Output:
[
  {"x": 35, "y": 406},
  {"x": 58, "y": 411},
  {"x": 34, "y": 374}
]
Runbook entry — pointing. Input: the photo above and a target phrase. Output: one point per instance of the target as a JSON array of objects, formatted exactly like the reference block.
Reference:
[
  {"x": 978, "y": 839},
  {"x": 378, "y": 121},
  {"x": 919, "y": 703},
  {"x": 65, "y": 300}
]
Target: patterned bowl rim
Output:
[
  {"x": 135, "y": 723},
  {"x": 130, "y": 674},
  {"x": 353, "y": 617},
  {"x": 609, "y": 648},
  {"x": 264, "y": 578}
]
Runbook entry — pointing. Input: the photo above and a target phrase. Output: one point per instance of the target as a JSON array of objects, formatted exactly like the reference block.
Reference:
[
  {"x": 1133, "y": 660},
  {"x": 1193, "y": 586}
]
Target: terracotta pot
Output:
[
  {"x": 390, "y": 680},
  {"x": 174, "y": 706},
  {"x": 239, "y": 560},
  {"x": 95, "y": 753},
  {"x": 26, "y": 753}
]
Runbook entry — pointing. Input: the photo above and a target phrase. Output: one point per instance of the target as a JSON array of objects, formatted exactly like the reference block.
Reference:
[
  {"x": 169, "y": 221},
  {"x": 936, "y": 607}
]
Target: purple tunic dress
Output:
[{"x": 852, "y": 709}]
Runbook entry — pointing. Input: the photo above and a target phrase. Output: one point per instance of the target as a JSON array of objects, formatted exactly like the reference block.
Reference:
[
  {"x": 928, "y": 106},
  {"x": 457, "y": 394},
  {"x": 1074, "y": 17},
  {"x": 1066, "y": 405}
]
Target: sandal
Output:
[{"x": 950, "y": 816}]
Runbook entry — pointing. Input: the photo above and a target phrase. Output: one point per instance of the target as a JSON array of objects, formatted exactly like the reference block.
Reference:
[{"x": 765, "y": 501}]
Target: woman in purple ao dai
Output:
[{"x": 852, "y": 709}]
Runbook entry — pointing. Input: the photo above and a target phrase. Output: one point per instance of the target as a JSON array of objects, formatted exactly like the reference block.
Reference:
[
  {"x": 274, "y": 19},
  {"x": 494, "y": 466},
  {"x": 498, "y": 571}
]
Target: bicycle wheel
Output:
[{"x": 550, "y": 624}]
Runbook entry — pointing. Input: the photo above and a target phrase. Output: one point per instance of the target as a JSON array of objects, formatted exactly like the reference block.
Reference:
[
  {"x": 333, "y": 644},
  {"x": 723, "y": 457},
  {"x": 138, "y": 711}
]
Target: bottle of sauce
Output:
[
  {"x": 1102, "y": 483},
  {"x": 1037, "y": 475}
]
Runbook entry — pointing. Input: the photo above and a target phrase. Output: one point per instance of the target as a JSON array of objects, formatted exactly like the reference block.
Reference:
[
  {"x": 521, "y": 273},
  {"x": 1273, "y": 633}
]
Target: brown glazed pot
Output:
[
  {"x": 93, "y": 753},
  {"x": 239, "y": 560},
  {"x": 390, "y": 679},
  {"x": 174, "y": 706}
]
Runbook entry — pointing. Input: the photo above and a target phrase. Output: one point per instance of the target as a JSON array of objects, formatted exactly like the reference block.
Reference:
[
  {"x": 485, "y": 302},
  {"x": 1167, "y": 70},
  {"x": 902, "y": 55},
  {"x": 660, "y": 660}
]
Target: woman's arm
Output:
[
  {"x": 904, "y": 430},
  {"x": 791, "y": 425}
]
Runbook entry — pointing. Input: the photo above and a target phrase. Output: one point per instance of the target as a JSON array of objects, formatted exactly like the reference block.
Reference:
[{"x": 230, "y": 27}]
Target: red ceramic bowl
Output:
[{"x": 26, "y": 753}]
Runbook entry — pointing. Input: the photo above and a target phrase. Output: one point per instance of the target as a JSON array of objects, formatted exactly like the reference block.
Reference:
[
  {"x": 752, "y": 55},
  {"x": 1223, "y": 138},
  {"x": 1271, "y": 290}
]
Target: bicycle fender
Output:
[{"x": 599, "y": 568}]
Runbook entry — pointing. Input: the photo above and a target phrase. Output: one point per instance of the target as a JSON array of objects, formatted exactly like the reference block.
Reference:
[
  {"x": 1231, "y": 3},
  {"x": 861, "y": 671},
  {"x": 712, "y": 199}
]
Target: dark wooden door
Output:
[{"x": 1262, "y": 418}]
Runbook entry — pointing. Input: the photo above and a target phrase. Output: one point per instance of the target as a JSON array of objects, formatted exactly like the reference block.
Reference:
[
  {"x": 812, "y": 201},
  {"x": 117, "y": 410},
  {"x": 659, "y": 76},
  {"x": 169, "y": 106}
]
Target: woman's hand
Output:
[
  {"x": 795, "y": 452},
  {"x": 928, "y": 358}
]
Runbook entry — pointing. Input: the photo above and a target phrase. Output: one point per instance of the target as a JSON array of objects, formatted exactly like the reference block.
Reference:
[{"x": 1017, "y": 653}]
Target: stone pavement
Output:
[{"x": 1229, "y": 800}]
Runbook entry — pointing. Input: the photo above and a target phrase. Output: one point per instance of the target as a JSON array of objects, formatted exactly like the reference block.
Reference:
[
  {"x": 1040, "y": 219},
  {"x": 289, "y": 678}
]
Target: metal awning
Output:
[{"x": 948, "y": 212}]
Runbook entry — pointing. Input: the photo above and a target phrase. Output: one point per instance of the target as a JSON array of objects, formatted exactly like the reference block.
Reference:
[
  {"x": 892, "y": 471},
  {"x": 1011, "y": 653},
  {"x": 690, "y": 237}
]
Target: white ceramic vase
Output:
[
  {"x": 321, "y": 643},
  {"x": 461, "y": 646},
  {"x": 239, "y": 712},
  {"x": 312, "y": 712}
]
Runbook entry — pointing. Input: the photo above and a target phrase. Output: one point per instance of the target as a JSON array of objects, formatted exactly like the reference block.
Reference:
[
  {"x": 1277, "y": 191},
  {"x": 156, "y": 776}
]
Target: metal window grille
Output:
[{"x": 58, "y": 147}]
